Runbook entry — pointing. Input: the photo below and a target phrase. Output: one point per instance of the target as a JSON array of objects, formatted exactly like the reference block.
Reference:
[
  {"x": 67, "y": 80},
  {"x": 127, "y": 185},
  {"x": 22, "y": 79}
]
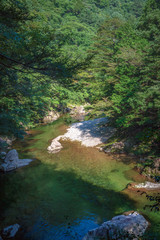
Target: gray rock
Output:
[
  {"x": 5, "y": 140},
  {"x": 13, "y": 162},
  {"x": 100, "y": 149},
  {"x": 12, "y": 156},
  {"x": 120, "y": 227},
  {"x": 148, "y": 185},
  {"x": 10, "y": 231},
  {"x": 55, "y": 146},
  {"x": 24, "y": 162},
  {"x": 117, "y": 147},
  {"x": 78, "y": 112},
  {"x": 51, "y": 117}
]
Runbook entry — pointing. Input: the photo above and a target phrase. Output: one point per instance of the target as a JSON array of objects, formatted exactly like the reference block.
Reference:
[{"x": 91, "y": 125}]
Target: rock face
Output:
[
  {"x": 78, "y": 113},
  {"x": 10, "y": 232},
  {"x": 120, "y": 227},
  {"x": 148, "y": 185},
  {"x": 51, "y": 117},
  {"x": 12, "y": 161}
]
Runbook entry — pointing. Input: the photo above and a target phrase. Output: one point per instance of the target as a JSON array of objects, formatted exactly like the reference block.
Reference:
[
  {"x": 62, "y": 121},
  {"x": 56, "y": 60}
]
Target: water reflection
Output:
[
  {"x": 76, "y": 230},
  {"x": 62, "y": 198}
]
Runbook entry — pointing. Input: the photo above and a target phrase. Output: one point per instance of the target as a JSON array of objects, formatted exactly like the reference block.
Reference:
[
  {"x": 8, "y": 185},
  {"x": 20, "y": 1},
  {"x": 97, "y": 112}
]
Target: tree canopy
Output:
[{"x": 55, "y": 52}]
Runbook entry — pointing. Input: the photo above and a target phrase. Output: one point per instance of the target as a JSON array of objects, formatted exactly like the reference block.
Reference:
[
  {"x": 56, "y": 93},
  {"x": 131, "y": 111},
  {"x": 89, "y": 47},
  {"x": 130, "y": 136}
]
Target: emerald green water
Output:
[{"x": 62, "y": 196}]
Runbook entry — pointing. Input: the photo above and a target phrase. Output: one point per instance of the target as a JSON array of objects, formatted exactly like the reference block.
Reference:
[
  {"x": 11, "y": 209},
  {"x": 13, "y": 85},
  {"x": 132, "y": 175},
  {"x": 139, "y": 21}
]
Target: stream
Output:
[{"x": 61, "y": 196}]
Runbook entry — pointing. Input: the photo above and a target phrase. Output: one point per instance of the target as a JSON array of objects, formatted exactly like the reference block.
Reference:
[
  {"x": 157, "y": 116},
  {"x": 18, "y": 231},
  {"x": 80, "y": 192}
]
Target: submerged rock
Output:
[
  {"x": 121, "y": 227},
  {"x": 10, "y": 231},
  {"x": 12, "y": 161}
]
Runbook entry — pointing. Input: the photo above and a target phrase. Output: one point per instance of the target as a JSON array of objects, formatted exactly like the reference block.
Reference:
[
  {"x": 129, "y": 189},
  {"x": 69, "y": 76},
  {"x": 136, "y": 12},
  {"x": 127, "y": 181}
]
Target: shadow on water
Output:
[
  {"x": 62, "y": 196},
  {"x": 48, "y": 202}
]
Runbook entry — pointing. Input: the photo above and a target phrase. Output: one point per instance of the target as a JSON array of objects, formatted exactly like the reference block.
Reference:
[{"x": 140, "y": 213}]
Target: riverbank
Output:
[{"x": 79, "y": 187}]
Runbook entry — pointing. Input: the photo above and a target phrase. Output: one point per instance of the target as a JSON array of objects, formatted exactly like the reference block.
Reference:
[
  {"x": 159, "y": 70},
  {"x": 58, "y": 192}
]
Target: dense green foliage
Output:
[
  {"x": 43, "y": 43},
  {"x": 104, "y": 52},
  {"x": 127, "y": 67}
]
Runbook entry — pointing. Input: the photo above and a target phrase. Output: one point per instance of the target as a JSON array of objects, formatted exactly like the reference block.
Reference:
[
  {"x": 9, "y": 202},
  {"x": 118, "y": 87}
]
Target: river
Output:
[{"x": 61, "y": 196}]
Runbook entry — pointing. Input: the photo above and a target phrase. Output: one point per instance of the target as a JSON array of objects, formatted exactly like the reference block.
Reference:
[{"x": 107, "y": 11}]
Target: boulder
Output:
[
  {"x": 55, "y": 146},
  {"x": 78, "y": 113},
  {"x": 12, "y": 161},
  {"x": 121, "y": 227},
  {"x": 90, "y": 133},
  {"x": 12, "y": 156},
  {"x": 51, "y": 117},
  {"x": 148, "y": 185},
  {"x": 10, "y": 232}
]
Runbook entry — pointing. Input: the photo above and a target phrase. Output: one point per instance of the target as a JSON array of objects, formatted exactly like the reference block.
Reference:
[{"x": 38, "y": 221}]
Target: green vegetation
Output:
[
  {"x": 126, "y": 68},
  {"x": 55, "y": 53},
  {"x": 103, "y": 52}
]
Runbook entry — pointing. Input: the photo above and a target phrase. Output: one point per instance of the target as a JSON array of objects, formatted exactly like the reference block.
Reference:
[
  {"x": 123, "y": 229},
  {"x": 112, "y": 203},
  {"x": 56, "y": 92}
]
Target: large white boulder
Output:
[
  {"x": 121, "y": 227},
  {"x": 90, "y": 133},
  {"x": 55, "y": 146}
]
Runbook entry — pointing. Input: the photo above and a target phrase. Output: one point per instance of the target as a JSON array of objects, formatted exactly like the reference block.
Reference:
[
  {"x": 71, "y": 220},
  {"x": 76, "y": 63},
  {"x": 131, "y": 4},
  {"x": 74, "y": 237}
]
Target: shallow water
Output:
[{"x": 62, "y": 196}]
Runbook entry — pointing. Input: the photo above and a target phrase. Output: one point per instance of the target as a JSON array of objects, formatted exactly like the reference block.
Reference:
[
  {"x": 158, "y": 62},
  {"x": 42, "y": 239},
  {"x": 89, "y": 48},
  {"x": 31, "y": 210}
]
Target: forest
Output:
[
  {"x": 96, "y": 175},
  {"x": 102, "y": 52}
]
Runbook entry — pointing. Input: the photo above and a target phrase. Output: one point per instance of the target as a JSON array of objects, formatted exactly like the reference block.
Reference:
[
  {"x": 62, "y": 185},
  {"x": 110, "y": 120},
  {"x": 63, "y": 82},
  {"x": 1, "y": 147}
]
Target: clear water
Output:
[{"x": 62, "y": 196}]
